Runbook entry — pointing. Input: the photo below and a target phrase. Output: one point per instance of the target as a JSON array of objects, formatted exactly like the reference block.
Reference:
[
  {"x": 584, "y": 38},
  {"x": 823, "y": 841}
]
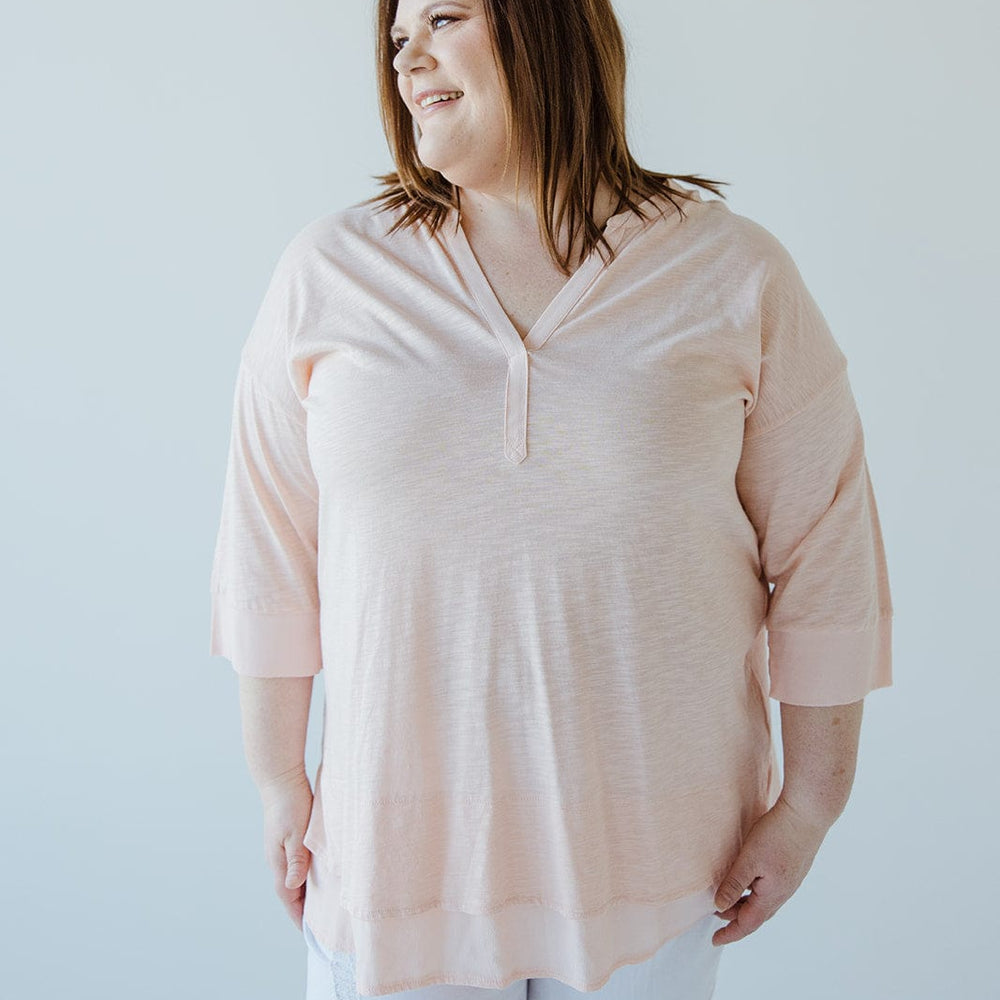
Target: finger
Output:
[
  {"x": 726, "y": 934},
  {"x": 749, "y": 916},
  {"x": 295, "y": 908},
  {"x": 293, "y": 901},
  {"x": 730, "y": 911},
  {"x": 733, "y": 886},
  {"x": 285, "y": 894},
  {"x": 285, "y": 891},
  {"x": 296, "y": 866}
]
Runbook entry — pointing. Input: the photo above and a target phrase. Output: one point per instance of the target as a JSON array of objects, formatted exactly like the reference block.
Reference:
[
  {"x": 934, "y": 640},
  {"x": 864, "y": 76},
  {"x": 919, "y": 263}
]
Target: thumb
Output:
[
  {"x": 296, "y": 865},
  {"x": 735, "y": 883}
]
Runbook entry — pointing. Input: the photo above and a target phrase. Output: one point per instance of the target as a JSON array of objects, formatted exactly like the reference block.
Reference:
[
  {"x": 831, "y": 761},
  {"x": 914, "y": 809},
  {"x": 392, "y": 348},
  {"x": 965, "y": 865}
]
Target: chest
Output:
[
  {"x": 617, "y": 371},
  {"x": 524, "y": 283}
]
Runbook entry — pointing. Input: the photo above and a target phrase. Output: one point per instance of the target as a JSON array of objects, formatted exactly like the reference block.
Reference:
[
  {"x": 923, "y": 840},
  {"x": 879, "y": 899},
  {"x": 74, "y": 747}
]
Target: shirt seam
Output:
[
  {"x": 835, "y": 628},
  {"x": 297, "y": 414},
  {"x": 222, "y": 596},
  {"x": 820, "y": 393}
]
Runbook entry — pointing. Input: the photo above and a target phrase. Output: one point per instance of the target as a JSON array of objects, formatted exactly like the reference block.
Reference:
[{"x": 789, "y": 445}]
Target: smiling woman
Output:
[
  {"x": 553, "y": 468},
  {"x": 543, "y": 104}
]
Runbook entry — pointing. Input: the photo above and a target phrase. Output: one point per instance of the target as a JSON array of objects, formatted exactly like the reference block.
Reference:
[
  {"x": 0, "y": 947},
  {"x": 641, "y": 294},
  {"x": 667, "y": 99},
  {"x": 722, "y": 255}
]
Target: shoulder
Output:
[
  {"x": 711, "y": 222},
  {"x": 756, "y": 246},
  {"x": 357, "y": 234}
]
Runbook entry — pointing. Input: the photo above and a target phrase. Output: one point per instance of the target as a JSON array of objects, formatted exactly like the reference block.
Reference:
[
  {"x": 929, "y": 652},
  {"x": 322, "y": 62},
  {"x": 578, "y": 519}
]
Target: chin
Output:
[{"x": 440, "y": 164}]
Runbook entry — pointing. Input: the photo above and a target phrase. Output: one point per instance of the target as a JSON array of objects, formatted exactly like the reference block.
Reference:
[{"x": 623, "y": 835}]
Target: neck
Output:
[{"x": 508, "y": 221}]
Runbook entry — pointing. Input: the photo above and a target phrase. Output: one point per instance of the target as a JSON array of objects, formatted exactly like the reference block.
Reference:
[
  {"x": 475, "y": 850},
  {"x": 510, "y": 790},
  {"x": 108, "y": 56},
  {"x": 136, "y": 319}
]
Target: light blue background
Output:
[{"x": 157, "y": 158}]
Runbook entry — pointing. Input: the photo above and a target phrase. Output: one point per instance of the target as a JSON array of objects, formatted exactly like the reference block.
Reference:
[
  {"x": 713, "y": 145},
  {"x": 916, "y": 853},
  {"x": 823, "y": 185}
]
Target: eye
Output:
[{"x": 397, "y": 42}]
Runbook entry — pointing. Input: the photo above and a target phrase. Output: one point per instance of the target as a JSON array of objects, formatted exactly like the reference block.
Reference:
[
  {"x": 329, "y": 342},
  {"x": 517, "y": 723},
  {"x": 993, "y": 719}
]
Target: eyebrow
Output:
[{"x": 397, "y": 30}]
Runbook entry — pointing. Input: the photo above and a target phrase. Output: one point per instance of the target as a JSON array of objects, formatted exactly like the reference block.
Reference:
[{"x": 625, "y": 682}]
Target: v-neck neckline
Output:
[{"x": 617, "y": 231}]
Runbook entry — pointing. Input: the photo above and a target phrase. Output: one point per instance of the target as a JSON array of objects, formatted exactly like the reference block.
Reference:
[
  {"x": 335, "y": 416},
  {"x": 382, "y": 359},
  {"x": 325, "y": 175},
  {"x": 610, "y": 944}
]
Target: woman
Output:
[{"x": 519, "y": 449}]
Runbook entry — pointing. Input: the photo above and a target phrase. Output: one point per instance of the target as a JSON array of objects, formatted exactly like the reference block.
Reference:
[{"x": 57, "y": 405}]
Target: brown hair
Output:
[{"x": 564, "y": 67}]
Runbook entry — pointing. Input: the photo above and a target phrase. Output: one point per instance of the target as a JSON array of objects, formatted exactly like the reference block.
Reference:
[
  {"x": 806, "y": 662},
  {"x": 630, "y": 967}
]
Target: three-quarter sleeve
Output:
[
  {"x": 264, "y": 591},
  {"x": 804, "y": 483}
]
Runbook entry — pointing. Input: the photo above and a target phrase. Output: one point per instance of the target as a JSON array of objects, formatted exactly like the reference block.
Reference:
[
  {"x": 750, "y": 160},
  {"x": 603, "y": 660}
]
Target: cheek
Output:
[{"x": 486, "y": 91}]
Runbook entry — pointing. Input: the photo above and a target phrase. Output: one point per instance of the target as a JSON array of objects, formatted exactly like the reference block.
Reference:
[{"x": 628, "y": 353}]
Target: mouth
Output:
[{"x": 437, "y": 105}]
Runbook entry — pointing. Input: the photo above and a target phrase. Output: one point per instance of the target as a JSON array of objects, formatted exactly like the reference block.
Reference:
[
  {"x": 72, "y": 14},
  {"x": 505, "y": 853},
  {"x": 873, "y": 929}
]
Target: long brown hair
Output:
[{"x": 563, "y": 62}]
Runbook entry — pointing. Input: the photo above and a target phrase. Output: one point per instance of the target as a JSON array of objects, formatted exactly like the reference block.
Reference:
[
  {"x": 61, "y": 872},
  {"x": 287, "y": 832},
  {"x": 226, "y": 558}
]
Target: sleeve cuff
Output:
[
  {"x": 266, "y": 645},
  {"x": 830, "y": 666}
]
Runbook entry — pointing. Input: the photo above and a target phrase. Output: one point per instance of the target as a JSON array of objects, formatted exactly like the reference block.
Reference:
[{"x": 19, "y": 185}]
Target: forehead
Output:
[{"x": 403, "y": 7}]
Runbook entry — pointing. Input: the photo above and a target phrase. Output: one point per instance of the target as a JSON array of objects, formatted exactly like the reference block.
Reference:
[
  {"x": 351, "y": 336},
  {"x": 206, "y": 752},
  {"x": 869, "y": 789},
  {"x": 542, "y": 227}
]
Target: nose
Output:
[{"x": 413, "y": 54}]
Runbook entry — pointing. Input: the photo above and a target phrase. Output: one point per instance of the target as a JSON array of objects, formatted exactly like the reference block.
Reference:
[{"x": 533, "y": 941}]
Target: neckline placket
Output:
[{"x": 617, "y": 230}]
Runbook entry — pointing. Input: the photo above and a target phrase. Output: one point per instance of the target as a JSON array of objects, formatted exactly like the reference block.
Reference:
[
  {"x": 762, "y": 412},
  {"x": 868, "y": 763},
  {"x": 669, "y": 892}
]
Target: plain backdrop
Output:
[{"x": 156, "y": 160}]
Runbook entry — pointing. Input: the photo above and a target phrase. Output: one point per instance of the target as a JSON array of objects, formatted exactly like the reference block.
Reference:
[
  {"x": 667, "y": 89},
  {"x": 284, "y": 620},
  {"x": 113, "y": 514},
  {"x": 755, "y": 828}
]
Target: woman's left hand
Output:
[{"x": 775, "y": 857}]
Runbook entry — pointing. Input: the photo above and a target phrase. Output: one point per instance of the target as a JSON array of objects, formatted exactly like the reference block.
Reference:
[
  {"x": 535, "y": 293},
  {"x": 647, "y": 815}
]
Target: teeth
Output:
[{"x": 434, "y": 98}]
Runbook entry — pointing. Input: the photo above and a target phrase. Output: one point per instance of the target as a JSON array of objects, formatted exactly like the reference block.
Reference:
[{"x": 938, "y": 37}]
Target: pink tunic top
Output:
[{"x": 536, "y": 575}]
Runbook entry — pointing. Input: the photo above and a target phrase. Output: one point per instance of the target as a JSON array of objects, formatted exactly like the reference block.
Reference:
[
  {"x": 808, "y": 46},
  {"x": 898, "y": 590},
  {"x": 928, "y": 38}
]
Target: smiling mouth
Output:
[{"x": 436, "y": 104}]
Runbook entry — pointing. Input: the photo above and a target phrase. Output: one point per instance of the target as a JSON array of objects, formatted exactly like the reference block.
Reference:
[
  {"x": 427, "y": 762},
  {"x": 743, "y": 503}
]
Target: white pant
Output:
[{"x": 684, "y": 968}]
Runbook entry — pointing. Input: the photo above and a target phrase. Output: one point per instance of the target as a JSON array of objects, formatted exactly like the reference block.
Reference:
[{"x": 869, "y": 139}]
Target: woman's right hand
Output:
[{"x": 287, "y": 805}]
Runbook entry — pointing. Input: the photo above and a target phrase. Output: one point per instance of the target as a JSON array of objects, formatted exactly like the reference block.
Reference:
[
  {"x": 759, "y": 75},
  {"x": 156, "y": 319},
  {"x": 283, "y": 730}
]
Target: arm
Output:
[
  {"x": 264, "y": 583},
  {"x": 820, "y": 746},
  {"x": 803, "y": 481},
  {"x": 275, "y": 713},
  {"x": 820, "y": 754}
]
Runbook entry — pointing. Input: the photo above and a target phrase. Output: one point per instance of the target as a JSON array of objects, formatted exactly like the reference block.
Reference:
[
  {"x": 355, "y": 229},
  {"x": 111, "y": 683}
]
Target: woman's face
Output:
[{"x": 446, "y": 46}]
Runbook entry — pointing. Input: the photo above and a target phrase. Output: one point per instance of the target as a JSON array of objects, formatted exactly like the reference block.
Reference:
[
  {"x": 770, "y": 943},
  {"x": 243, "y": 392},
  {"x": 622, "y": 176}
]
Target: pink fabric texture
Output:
[{"x": 537, "y": 578}]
